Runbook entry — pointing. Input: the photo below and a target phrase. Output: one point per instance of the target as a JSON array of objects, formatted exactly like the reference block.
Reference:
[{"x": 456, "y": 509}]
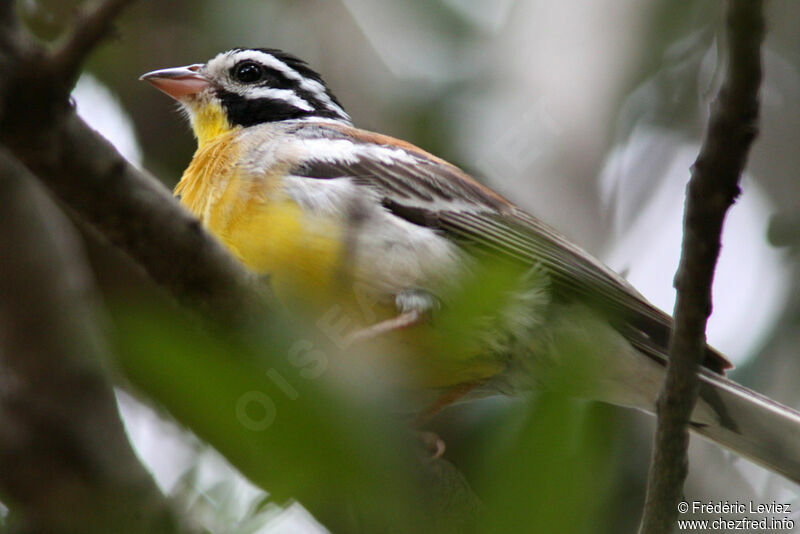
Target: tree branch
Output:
[
  {"x": 137, "y": 213},
  {"x": 92, "y": 26},
  {"x": 129, "y": 207},
  {"x": 712, "y": 189},
  {"x": 65, "y": 461}
]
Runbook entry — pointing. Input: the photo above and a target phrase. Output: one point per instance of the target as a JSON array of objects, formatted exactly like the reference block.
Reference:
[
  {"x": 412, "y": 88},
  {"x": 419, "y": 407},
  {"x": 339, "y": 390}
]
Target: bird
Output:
[{"x": 337, "y": 216}]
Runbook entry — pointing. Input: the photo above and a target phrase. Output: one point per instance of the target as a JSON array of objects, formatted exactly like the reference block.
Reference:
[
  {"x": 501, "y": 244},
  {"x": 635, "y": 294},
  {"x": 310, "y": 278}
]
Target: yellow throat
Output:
[{"x": 209, "y": 121}]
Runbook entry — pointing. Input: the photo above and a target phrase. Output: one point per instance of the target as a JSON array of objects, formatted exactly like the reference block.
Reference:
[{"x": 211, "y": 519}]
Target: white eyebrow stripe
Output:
[
  {"x": 267, "y": 60},
  {"x": 312, "y": 86},
  {"x": 286, "y": 95}
]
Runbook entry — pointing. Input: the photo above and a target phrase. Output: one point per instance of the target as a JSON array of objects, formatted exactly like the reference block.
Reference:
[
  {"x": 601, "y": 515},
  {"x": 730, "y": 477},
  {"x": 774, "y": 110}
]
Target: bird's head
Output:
[{"x": 244, "y": 87}]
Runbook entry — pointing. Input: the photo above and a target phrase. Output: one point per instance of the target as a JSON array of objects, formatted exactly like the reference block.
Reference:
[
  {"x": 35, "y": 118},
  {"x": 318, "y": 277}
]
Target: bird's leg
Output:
[
  {"x": 430, "y": 440},
  {"x": 404, "y": 320},
  {"x": 415, "y": 307},
  {"x": 444, "y": 400}
]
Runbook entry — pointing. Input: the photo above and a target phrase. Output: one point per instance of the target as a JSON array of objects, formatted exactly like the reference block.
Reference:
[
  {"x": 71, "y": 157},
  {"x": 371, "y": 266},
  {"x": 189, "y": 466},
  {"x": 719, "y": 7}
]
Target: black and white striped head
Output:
[
  {"x": 251, "y": 86},
  {"x": 265, "y": 85}
]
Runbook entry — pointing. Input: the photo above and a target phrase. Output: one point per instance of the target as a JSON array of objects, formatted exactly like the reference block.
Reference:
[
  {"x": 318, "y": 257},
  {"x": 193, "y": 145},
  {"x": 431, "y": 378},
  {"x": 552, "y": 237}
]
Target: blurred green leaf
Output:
[
  {"x": 554, "y": 473},
  {"x": 292, "y": 436}
]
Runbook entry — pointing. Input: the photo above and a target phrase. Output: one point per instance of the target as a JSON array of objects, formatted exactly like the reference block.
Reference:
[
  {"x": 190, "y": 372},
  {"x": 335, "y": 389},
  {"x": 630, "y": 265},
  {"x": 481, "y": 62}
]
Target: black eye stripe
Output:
[
  {"x": 268, "y": 76},
  {"x": 275, "y": 78},
  {"x": 245, "y": 111}
]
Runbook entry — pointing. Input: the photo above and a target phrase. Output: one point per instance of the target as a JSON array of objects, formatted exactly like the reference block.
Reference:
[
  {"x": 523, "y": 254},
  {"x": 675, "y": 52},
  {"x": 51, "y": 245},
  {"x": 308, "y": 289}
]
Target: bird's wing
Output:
[{"x": 428, "y": 191}]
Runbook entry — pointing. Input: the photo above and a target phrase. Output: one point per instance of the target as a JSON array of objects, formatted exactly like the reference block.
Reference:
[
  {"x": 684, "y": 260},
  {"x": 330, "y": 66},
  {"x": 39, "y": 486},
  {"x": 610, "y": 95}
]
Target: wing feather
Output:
[{"x": 429, "y": 191}]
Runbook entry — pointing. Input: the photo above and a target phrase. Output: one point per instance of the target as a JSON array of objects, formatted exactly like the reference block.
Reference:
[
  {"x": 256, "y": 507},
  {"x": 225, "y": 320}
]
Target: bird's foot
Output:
[
  {"x": 414, "y": 306},
  {"x": 404, "y": 320}
]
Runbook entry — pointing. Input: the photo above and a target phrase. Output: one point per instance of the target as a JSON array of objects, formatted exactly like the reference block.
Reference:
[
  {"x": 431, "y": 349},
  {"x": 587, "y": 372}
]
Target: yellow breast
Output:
[
  {"x": 260, "y": 224},
  {"x": 304, "y": 254}
]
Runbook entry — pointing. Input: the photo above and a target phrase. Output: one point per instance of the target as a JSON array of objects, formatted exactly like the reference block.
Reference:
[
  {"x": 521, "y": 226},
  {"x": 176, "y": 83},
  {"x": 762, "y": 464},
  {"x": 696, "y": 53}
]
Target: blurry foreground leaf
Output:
[
  {"x": 297, "y": 430},
  {"x": 554, "y": 474},
  {"x": 293, "y": 436}
]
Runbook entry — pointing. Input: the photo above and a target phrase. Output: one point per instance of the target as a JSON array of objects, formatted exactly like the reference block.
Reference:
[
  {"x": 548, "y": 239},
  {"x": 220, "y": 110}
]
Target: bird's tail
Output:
[
  {"x": 608, "y": 367},
  {"x": 751, "y": 425}
]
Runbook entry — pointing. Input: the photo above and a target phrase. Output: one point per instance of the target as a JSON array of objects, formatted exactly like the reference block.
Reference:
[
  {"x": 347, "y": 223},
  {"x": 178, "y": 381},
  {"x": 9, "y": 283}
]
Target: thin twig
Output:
[
  {"x": 713, "y": 187},
  {"x": 92, "y": 26}
]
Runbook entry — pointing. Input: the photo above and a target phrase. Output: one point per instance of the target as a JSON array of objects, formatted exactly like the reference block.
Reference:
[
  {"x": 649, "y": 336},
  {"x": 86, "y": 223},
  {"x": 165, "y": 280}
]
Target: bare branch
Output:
[
  {"x": 713, "y": 187},
  {"x": 92, "y": 26},
  {"x": 65, "y": 461},
  {"x": 127, "y": 206},
  {"x": 138, "y": 214}
]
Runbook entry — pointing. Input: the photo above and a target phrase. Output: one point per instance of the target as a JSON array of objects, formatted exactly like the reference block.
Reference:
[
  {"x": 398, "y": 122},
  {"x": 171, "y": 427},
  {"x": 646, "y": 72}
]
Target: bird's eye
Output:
[{"x": 248, "y": 72}]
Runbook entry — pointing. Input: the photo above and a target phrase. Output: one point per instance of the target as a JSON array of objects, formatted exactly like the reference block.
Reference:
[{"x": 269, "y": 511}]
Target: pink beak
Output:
[{"x": 178, "y": 82}]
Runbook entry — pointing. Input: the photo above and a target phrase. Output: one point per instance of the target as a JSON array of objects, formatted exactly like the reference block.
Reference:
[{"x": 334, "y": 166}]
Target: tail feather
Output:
[
  {"x": 752, "y": 425},
  {"x": 631, "y": 373}
]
